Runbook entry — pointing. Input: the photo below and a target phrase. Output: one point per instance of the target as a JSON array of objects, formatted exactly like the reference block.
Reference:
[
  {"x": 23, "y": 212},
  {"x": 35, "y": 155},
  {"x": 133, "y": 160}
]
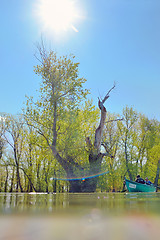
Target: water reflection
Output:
[
  {"x": 108, "y": 203},
  {"x": 113, "y": 216}
]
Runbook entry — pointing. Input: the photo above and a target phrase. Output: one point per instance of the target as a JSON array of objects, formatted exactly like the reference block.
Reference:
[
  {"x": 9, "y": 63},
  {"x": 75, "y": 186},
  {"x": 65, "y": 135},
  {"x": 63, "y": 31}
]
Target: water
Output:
[{"x": 93, "y": 216}]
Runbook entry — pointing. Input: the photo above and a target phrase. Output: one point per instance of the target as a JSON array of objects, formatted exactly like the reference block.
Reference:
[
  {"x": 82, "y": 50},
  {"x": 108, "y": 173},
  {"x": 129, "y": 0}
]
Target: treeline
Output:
[
  {"x": 61, "y": 134},
  {"x": 27, "y": 164}
]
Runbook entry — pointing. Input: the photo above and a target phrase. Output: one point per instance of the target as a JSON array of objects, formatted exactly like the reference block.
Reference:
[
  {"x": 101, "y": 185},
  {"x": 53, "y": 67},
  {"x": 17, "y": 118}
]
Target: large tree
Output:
[{"x": 55, "y": 114}]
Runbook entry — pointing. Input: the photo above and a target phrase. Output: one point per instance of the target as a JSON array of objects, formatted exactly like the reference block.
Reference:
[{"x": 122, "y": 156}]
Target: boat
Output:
[{"x": 139, "y": 187}]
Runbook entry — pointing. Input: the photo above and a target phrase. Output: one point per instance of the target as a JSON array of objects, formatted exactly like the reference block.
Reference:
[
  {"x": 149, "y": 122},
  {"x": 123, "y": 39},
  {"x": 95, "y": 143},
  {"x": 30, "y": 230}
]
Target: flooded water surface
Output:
[{"x": 79, "y": 216}]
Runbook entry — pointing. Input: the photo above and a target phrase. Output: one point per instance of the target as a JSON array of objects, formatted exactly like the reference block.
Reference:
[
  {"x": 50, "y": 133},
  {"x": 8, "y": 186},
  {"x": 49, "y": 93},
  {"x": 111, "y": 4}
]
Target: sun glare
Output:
[{"x": 57, "y": 15}]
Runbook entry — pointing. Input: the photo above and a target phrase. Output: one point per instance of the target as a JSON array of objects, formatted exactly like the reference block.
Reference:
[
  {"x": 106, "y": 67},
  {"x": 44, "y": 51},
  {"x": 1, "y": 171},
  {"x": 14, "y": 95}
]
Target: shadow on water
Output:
[{"x": 93, "y": 216}]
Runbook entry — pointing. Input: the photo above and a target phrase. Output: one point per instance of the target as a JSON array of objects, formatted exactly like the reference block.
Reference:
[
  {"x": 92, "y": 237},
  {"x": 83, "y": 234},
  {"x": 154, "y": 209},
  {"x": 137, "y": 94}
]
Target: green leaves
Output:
[{"x": 60, "y": 80}]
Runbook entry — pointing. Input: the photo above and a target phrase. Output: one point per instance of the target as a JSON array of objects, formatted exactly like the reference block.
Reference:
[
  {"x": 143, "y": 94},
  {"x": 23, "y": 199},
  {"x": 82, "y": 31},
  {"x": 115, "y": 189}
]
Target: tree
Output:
[
  {"x": 55, "y": 114},
  {"x": 2, "y": 131},
  {"x": 154, "y": 163},
  {"x": 14, "y": 137},
  {"x": 4, "y": 172},
  {"x": 128, "y": 138},
  {"x": 111, "y": 144}
]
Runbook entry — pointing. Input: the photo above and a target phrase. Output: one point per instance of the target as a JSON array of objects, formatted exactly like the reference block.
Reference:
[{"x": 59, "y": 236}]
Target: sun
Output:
[{"x": 57, "y": 15}]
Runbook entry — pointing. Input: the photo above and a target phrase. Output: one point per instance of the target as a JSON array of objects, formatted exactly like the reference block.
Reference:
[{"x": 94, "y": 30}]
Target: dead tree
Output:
[{"x": 95, "y": 154}]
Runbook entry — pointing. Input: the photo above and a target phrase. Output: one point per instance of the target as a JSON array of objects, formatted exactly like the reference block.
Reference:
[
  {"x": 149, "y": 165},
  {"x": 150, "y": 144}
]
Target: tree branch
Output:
[
  {"x": 115, "y": 120},
  {"x": 107, "y": 95},
  {"x": 99, "y": 130}
]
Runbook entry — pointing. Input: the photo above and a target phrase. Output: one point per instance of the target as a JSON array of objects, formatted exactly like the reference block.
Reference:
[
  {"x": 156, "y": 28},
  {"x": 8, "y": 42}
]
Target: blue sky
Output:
[{"x": 117, "y": 41}]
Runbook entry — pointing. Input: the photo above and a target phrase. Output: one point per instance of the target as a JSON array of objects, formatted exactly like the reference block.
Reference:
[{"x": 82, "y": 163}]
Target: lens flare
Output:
[
  {"x": 79, "y": 178},
  {"x": 57, "y": 15}
]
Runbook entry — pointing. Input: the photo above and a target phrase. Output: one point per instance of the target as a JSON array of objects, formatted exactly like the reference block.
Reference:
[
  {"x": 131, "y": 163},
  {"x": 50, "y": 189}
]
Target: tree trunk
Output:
[
  {"x": 127, "y": 162},
  {"x": 157, "y": 174},
  {"x": 30, "y": 180},
  {"x": 18, "y": 180},
  {"x": 6, "y": 181},
  {"x": 38, "y": 184},
  {"x": 90, "y": 184},
  {"x": 12, "y": 181},
  {"x": 1, "y": 147}
]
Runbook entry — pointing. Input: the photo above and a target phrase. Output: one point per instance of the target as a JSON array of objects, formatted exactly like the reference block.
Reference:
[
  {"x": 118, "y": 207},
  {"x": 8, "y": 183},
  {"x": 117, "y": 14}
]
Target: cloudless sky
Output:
[{"x": 117, "y": 41}]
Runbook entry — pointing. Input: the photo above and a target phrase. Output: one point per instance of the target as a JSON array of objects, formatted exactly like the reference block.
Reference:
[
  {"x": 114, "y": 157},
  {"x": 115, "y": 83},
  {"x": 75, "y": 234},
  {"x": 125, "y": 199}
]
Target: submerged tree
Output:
[
  {"x": 95, "y": 154},
  {"x": 55, "y": 117}
]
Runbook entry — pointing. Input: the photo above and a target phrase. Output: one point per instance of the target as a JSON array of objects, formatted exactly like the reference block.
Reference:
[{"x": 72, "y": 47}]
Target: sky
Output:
[{"x": 114, "y": 41}]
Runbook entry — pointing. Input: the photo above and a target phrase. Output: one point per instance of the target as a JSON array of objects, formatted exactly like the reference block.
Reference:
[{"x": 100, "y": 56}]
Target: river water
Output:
[{"x": 96, "y": 216}]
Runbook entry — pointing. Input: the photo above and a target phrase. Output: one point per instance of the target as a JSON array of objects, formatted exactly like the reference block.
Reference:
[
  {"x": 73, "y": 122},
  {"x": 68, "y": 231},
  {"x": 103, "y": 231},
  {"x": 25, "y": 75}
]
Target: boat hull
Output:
[{"x": 138, "y": 187}]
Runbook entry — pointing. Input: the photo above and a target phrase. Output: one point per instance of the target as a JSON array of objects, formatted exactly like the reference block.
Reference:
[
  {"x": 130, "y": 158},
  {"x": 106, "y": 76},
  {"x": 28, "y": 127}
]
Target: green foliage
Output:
[
  {"x": 60, "y": 81},
  {"x": 37, "y": 164},
  {"x": 57, "y": 124}
]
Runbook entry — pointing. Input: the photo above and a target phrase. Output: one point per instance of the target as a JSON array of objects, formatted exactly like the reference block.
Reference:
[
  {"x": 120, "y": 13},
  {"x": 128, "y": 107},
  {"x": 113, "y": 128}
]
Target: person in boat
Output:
[
  {"x": 148, "y": 182},
  {"x": 140, "y": 180}
]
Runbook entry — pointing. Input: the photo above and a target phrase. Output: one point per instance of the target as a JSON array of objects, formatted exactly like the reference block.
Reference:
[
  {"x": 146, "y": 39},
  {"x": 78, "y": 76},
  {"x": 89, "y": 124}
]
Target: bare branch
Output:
[
  {"x": 115, "y": 120},
  {"x": 42, "y": 52},
  {"x": 99, "y": 130},
  {"x": 107, "y": 95},
  {"x": 107, "y": 153}
]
